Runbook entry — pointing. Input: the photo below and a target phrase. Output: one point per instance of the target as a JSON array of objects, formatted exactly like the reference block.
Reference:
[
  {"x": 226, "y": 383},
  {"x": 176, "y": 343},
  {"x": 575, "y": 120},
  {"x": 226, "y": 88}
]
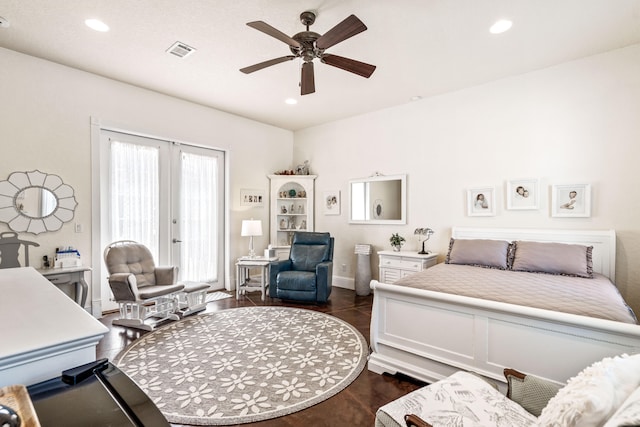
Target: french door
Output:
[{"x": 170, "y": 197}]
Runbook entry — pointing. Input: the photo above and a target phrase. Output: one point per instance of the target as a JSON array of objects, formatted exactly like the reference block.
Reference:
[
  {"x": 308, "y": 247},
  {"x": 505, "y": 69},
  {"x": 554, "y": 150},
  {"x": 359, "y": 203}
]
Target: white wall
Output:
[
  {"x": 573, "y": 123},
  {"x": 578, "y": 122},
  {"x": 45, "y": 124}
]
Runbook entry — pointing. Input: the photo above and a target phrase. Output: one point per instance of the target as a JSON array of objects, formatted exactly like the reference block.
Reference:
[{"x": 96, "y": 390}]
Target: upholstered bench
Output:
[{"x": 606, "y": 393}]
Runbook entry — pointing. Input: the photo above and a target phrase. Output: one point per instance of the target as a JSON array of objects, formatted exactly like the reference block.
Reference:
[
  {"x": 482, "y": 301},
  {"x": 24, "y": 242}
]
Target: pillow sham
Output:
[
  {"x": 478, "y": 252},
  {"x": 591, "y": 397},
  {"x": 553, "y": 258}
]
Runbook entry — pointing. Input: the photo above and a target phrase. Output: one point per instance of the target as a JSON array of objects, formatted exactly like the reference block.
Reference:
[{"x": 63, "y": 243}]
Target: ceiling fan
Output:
[{"x": 308, "y": 46}]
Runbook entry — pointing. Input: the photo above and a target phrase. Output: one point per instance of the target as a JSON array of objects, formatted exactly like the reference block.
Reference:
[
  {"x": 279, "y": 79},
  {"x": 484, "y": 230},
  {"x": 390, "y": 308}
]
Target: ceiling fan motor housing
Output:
[{"x": 308, "y": 51}]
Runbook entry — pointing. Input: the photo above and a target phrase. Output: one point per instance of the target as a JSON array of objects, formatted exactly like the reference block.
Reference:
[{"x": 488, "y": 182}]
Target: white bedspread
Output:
[{"x": 596, "y": 297}]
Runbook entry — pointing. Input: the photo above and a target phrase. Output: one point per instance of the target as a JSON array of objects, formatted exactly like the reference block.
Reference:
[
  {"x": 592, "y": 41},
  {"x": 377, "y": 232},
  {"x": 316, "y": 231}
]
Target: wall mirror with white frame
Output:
[
  {"x": 36, "y": 202},
  {"x": 378, "y": 199}
]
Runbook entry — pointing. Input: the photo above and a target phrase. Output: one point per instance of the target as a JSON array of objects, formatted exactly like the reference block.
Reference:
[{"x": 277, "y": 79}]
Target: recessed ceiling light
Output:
[
  {"x": 96, "y": 24},
  {"x": 291, "y": 101},
  {"x": 415, "y": 98},
  {"x": 500, "y": 26}
]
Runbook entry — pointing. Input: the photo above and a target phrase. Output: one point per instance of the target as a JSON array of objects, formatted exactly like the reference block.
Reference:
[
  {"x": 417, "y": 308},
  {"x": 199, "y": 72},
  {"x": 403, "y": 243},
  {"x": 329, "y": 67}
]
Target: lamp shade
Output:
[{"x": 251, "y": 227}]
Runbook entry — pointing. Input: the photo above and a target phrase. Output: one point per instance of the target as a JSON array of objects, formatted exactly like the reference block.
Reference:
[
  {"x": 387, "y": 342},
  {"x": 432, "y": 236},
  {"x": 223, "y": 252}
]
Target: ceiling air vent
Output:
[{"x": 180, "y": 49}]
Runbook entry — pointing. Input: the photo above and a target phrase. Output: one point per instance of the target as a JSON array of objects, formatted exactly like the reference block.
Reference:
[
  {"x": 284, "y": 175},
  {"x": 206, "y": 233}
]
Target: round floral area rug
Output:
[{"x": 244, "y": 365}]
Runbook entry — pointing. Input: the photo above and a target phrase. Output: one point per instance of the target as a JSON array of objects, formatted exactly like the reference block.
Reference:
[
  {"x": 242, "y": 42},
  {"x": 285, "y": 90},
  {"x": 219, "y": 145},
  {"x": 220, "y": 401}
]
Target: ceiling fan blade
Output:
[
  {"x": 265, "y": 64},
  {"x": 307, "y": 82},
  {"x": 269, "y": 30},
  {"x": 345, "y": 29},
  {"x": 351, "y": 65}
]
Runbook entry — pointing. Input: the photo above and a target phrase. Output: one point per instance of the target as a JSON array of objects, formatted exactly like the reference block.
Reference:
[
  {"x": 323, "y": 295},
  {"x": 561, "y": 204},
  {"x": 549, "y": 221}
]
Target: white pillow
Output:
[
  {"x": 591, "y": 397},
  {"x": 629, "y": 412}
]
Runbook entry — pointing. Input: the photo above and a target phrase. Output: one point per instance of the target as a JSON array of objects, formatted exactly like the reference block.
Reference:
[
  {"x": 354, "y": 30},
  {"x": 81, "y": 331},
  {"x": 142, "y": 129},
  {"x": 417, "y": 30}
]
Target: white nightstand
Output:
[{"x": 395, "y": 265}]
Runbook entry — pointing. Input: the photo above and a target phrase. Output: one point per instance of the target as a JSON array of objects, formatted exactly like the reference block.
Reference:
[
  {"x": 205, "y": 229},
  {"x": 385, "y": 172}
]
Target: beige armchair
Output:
[{"x": 148, "y": 294}]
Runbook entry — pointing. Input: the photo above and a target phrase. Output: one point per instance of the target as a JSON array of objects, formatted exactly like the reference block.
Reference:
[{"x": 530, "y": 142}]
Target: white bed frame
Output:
[{"x": 430, "y": 335}]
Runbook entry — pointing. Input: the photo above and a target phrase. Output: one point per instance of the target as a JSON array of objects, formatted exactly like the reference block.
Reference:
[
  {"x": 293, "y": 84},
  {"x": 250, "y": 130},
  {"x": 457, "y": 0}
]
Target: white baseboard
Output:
[
  {"x": 96, "y": 308},
  {"x": 344, "y": 282}
]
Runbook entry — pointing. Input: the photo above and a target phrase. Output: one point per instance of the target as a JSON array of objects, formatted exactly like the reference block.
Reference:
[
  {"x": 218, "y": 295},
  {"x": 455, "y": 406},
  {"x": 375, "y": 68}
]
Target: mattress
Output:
[{"x": 597, "y": 297}]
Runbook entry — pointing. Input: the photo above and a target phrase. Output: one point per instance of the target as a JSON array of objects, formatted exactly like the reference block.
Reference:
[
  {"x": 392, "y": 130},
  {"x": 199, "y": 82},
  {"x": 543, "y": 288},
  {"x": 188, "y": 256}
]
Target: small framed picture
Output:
[
  {"x": 572, "y": 200},
  {"x": 523, "y": 194},
  {"x": 481, "y": 201},
  {"x": 332, "y": 202},
  {"x": 254, "y": 198}
]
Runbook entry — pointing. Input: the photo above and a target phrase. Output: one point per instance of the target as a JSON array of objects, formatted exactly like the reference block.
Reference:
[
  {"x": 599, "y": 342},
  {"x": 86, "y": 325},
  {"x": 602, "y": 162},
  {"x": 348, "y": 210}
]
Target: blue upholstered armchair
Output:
[{"x": 306, "y": 275}]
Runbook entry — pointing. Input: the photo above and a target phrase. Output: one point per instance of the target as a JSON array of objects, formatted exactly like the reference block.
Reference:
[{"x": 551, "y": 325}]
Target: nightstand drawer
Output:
[
  {"x": 60, "y": 279},
  {"x": 403, "y": 264}
]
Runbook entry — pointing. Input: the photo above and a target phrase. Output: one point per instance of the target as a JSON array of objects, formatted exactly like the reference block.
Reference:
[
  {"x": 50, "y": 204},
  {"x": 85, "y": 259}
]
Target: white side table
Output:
[
  {"x": 395, "y": 265},
  {"x": 66, "y": 275},
  {"x": 243, "y": 283}
]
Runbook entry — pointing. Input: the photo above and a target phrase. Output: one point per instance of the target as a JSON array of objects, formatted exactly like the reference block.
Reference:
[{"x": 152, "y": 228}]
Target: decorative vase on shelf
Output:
[{"x": 396, "y": 248}]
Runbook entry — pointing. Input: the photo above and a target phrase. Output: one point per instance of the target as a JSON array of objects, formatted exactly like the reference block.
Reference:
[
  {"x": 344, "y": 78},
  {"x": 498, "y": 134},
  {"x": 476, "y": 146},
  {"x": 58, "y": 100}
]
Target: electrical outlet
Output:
[
  {"x": 78, "y": 227},
  {"x": 343, "y": 268}
]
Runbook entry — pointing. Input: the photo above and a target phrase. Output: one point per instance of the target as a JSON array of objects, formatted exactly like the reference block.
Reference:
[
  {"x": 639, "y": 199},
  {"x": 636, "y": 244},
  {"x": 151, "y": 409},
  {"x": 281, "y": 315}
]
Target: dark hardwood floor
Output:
[{"x": 354, "y": 406}]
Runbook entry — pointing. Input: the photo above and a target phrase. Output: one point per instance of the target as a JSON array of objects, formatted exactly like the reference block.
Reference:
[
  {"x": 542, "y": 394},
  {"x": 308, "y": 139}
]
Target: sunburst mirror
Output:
[{"x": 36, "y": 202}]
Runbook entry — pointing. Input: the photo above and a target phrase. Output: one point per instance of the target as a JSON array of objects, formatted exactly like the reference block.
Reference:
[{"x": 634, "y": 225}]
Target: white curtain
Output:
[
  {"x": 135, "y": 194},
  {"x": 198, "y": 217}
]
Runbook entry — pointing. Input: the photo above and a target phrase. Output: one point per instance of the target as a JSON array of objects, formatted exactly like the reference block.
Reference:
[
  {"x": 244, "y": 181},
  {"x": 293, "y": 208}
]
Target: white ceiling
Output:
[{"x": 420, "y": 47}]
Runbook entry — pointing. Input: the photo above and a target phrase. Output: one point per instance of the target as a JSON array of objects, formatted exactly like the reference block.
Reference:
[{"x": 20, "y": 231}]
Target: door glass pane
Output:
[
  {"x": 135, "y": 194},
  {"x": 199, "y": 217}
]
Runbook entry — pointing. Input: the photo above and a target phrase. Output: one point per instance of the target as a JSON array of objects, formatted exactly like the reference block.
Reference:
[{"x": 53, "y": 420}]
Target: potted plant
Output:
[{"x": 396, "y": 241}]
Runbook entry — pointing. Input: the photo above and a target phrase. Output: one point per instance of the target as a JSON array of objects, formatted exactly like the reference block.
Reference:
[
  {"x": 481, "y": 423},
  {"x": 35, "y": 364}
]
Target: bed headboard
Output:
[{"x": 603, "y": 241}]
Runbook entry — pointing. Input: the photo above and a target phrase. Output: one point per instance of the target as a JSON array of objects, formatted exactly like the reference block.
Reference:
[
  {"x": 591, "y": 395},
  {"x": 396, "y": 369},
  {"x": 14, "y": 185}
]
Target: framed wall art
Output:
[
  {"x": 523, "y": 194},
  {"x": 571, "y": 200},
  {"x": 253, "y": 198},
  {"x": 481, "y": 201},
  {"x": 332, "y": 202}
]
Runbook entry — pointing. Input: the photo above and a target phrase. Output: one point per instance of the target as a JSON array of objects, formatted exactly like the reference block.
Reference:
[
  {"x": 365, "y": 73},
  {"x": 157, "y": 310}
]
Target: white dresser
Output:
[{"x": 395, "y": 265}]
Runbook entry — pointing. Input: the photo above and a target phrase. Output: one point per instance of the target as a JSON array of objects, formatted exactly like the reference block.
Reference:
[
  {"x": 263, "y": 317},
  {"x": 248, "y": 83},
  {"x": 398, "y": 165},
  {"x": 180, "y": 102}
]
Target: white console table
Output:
[
  {"x": 69, "y": 275},
  {"x": 43, "y": 331},
  {"x": 395, "y": 265}
]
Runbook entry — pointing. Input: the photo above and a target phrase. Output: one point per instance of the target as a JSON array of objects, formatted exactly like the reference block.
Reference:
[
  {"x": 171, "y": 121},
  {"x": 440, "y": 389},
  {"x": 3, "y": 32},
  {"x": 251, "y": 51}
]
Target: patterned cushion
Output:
[
  {"x": 460, "y": 399},
  {"x": 591, "y": 397}
]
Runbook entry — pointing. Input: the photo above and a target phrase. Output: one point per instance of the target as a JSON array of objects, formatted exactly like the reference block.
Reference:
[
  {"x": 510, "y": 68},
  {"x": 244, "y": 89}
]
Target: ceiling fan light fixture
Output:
[
  {"x": 500, "y": 26},
  {"x": 97, "y": 25}
]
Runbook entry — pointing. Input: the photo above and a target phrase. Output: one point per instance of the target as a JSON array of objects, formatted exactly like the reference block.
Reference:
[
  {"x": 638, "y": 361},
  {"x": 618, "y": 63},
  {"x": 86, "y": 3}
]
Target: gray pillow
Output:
[
  {"x": 553, "y": 258},
  {"x": 478, "y": 252}
]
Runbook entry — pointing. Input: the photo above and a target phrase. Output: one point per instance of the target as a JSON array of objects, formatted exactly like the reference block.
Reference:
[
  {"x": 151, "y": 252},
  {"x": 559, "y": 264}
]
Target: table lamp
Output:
[
  {"x": 423, "y": 232},
  {"x": 251, "y": 227}
]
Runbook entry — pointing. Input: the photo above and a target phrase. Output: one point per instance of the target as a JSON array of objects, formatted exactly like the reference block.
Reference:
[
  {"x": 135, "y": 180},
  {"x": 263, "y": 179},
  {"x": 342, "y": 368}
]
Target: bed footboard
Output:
[{"x": 430, "y": 335}]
